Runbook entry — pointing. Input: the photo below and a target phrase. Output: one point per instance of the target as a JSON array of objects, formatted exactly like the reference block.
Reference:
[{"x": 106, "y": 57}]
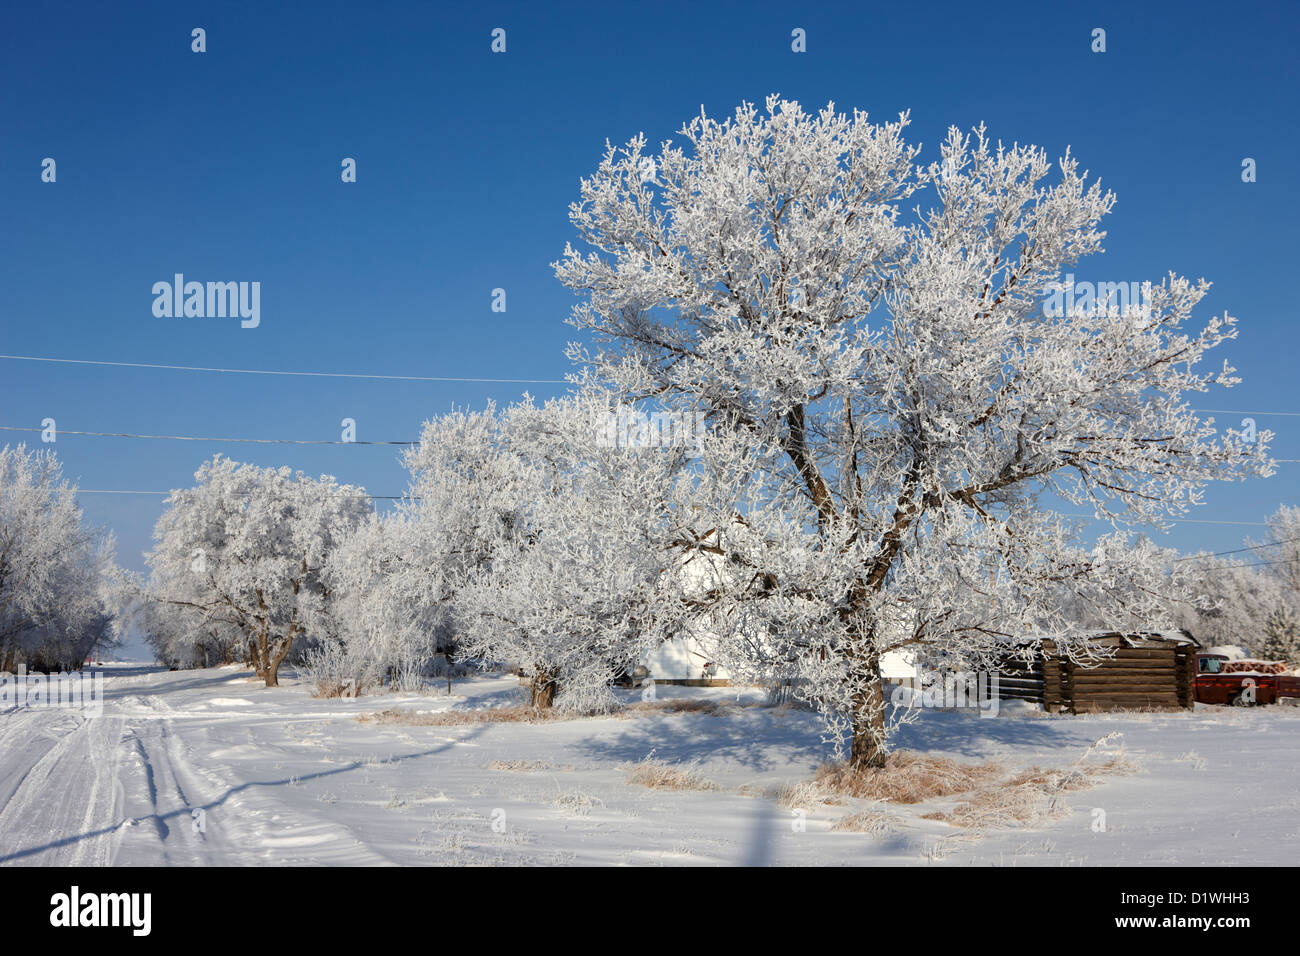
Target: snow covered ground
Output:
[{"x": 208, "y": 767}]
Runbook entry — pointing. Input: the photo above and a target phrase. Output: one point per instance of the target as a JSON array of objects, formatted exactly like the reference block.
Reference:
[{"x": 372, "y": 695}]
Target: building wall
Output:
[{"x": 682, "y": 658}]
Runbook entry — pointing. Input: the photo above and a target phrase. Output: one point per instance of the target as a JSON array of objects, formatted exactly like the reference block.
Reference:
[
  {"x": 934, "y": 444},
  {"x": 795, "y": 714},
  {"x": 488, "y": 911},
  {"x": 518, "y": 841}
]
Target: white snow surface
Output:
[{"x": 281, "y": 778}]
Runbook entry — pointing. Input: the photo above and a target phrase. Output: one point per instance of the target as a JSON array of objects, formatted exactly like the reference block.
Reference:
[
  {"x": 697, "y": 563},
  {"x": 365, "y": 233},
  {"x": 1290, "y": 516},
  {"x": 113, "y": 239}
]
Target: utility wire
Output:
[
  {"x": 254, "y": 441},
  {"x": 1224, "y": 411},
  {"x": 1248, "y": 548},
  {"x": 1259, "y": 524},
  {"x": 260, "y": 371},
  {"x": 409, "y": 378},
  {"x": 294, "y": 441}
]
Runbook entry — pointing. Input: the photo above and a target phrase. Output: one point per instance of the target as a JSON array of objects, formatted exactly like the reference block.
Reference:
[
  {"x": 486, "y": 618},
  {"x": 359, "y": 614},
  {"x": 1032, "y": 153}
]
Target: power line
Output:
[
  {"x": 408, "y": 378},
  {"x": 295, "y": 441},
  {"x": 1225, "y": 411},
  {"x": 1252, "y": 547},
  {"x": 1262, "y": 524},
  {"x": 1259, "y": 524},
  {"x": 254, "y": 441},
  {"x": 259, "y": 371}
]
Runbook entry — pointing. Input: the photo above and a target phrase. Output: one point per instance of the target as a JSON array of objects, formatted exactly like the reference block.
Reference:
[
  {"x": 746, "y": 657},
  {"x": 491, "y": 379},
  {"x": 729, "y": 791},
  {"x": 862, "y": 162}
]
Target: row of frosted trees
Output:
[
  {"x": 897, "y": 427},
  {"x": 524, "y": 540}
]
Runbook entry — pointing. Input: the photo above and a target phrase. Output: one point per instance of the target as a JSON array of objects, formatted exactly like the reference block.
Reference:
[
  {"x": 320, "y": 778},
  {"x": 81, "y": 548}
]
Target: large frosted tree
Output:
[
  {"x": 894, "y": 412},
  {"x": 245, "y": 548}
]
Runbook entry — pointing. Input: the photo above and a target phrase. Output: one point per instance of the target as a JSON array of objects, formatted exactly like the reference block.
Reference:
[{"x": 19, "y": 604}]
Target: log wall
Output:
[{"x": 1156, "y": 674}]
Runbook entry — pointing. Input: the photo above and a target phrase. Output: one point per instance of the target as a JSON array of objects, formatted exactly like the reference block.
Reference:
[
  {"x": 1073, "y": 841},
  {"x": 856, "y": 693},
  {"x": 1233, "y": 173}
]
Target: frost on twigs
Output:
[{"x": 893, "y": 417}]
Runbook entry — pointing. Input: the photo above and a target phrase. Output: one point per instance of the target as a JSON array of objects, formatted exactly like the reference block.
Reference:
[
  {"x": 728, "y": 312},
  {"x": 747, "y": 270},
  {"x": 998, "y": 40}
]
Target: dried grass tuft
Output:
[
  {"x": 907, "y": 777},
  {"x": 327, "y": 689},
  {"x": 521, "y": 766},
  {"x": 1005, "y": 807},
  {"x": 521, "y": 714},
  {"x": 579, "y": 802},
  {"x": 793, "y": 796},
  {"x": 527, "y": 714},
  {"x": 870, "y": 822},
  {"x": 661, "y": 776},
  {"x": 1032, "y": 796}
]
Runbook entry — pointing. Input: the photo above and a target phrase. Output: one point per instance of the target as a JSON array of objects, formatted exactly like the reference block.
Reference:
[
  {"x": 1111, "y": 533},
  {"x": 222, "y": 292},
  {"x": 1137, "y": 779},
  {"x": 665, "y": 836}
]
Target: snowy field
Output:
[{"x": 278, "y": 777}]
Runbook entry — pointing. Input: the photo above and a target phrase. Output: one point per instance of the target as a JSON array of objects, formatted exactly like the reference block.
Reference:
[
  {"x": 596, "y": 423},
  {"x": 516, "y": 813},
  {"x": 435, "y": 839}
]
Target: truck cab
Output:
[{"x": 1222, "y": 680}]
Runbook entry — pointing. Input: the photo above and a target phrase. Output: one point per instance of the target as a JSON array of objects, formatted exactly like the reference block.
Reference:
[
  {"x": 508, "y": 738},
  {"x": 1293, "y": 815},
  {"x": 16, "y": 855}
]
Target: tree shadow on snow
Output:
[{"x": 763, "y": 739}]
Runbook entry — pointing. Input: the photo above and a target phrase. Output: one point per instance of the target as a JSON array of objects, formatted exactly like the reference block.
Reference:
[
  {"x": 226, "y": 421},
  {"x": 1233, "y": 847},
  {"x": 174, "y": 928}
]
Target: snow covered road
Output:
[{"x": 208, "y": 768}]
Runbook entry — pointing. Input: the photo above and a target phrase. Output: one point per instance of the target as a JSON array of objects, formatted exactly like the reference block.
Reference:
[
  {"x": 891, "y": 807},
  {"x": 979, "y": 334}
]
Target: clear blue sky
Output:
[{"x": 225, "y": 166}]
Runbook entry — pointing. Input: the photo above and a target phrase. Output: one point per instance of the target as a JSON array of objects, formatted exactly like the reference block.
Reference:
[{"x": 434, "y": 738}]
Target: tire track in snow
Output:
[
  {"x": 121, "y": 788},
  {"x": 179, "y": 805},
  {"x": 246, "y": 820},
  {"x": 60, "y": 809}
]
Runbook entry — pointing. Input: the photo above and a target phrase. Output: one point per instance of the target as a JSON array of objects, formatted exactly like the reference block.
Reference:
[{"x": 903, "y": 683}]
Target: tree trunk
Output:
[
  {"x": 869, "y": 740},
  {"x": 544, "y": 689},
  {"x": 273, "y": 664}
]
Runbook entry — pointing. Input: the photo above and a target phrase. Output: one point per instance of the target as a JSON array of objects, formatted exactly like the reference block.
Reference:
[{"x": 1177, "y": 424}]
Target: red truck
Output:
[{"x": 1221, "y": 680}]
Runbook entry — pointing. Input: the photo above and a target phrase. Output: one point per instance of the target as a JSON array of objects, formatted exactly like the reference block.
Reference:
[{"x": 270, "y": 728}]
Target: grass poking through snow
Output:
[
  {"x": 527, "y": 714},
  {"x": 661, "y": 776},
  {"x": 871, "y": 822},
  {"x": 906, "y": 777}
]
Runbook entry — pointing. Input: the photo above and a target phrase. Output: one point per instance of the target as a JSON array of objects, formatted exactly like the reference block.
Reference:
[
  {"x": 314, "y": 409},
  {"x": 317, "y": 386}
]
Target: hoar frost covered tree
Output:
[
  {"x": 891, "y": 407},
  {"x": 391, "y": 582},
  {"x": 1280, "y": 636},
  {"x": 58, "y": 597},
  {"x": 557, "y": 542},
  {"x": 1250, "y": 600},
  {"x": 244, "y": 549},
  {"x": 395, "y": 580},
  {"x": 1228, "y": 601},
  {"x": 1280, "y": 549},
  {"x": 180, "y": 635}
]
